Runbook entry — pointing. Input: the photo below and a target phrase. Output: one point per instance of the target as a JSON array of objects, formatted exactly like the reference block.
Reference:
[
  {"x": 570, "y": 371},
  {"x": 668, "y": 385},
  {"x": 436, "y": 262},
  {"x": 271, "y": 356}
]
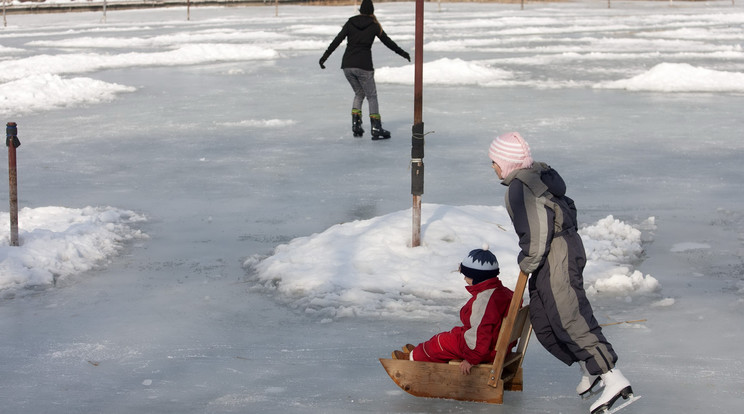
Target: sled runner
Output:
[{"x": 486, "y": 382}]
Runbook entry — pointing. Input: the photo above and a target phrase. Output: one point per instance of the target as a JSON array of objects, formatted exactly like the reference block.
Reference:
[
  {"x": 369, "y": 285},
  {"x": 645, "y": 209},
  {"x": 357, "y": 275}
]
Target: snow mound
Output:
[
  {"x": 44, "y": 92},
  {"x": 444, "y": 72},
  {"x": 189, "y": 54},
  {"x": 612, "y": 248},
  {"x": 611, "y": 240},
  {"x": 680, "y": 77},
  {"x": 56, "y": 242},
  {"x": 366, "y": 268}
]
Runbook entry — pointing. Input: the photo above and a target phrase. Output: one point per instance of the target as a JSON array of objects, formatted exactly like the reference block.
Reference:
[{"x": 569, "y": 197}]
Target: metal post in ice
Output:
[
  {"x": 12, "y": 142},
  {"x": 417, "y": 138}
]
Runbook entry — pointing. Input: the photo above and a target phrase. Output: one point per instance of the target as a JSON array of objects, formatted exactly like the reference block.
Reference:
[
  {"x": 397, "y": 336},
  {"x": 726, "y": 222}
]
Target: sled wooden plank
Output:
[
  {"x": 485, "y": 383},
  {"x": 435, "y": 380}
]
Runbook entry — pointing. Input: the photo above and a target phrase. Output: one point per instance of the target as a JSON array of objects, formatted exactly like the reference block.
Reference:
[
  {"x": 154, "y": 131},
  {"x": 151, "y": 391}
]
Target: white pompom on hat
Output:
[
  {"x": 511, "y": 152},
  {"x": 480, "y": 265}
]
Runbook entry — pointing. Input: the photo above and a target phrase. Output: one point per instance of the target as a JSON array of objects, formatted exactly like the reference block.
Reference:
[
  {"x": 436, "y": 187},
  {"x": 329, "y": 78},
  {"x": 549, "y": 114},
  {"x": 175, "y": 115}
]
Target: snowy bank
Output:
[
  {"x": 366, "y": 267},
  {"x": 44, "y": 92},
  {"x": 663, "y": 77},
  {"x": 444, "y": 72},
  {"x": 56, "y": 242},
  {"x": 35, "y": 83},
  {"x": 680, "y": 77}
]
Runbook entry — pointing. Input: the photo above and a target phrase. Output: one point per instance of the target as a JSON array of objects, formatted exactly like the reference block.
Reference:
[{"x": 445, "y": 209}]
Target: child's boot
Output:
[{"x": 400, "y": 355}]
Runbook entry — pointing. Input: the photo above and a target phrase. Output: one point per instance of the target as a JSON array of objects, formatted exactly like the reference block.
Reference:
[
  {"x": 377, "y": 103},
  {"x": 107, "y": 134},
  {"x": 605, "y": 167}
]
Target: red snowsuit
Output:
[{"x": 481, "y": 317}]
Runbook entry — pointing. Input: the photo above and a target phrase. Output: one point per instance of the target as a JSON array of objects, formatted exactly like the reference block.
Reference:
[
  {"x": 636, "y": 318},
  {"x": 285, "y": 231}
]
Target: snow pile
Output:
[
  {"x": 612, "y": 248},
  {"x": 611, "y": 240},
  {"x": 272, "y": 40},
  {"x": 31, "y": 76},
  {"x": 190, "y": 54},
  {"x": 366, "y": 268},
  {"x": 56, "y": 242},
  {"x": 44, "y": 92},
  {"x": 34, "y": 83},
  {"x": 680, "y": 77},
  {"x": 444, "y": 72}
]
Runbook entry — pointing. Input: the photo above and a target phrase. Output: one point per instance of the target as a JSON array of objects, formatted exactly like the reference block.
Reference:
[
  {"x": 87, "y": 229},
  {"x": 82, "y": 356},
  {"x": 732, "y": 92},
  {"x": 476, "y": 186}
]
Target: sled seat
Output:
[
  {"x": 486, "y": 382},
  {"x": 512, "y": 369}
]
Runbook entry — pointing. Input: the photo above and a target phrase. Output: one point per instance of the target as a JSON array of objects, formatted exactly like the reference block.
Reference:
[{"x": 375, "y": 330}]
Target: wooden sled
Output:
[{"x": 486, "y": 382}]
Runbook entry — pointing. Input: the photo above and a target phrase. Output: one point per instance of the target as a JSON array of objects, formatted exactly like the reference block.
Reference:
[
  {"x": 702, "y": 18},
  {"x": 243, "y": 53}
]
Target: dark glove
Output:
[
  {"x": 406, "y": 56},
  {"x": 323, "y": 59}
]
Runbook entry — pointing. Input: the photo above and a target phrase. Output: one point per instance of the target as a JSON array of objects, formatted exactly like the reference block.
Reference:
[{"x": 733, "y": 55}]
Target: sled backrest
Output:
[
  {"x": 515, "y": 327},
  {"x": 521, "y": 330}
]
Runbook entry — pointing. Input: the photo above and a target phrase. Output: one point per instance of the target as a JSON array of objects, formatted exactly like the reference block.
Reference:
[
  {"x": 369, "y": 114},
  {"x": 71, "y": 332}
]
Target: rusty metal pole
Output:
[
  {"x": 11, "y": 140},
  {"x": 417, "y": 137}
]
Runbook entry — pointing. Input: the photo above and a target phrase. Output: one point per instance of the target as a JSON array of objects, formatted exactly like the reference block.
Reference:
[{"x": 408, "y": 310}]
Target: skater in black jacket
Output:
[{"x": 360, "y": 32}]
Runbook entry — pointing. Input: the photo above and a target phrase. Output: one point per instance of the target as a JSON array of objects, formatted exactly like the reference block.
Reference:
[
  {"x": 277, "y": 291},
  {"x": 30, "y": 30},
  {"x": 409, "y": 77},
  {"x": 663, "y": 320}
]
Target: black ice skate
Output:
[
  {"x": 377, "y": 131},
  {"x": 356, "y": 123}
]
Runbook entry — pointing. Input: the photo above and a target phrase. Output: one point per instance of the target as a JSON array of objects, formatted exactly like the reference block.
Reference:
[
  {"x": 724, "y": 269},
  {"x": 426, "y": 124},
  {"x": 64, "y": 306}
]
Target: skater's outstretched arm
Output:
[
  {"x": 387, "y": 41},
  {"x": 334, "y": 44}
]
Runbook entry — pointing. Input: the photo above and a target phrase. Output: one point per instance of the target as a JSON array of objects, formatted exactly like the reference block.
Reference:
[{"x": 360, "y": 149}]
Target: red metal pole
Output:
[
  {"x": 12, "y": 142},
  {"x": 418, "y": 75},
  {"x": 417, "y": 138}
]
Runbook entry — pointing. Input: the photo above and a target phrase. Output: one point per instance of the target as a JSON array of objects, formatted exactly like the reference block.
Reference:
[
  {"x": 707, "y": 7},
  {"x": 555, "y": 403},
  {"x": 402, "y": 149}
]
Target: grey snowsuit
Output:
[{"x": 553, "y": 253}]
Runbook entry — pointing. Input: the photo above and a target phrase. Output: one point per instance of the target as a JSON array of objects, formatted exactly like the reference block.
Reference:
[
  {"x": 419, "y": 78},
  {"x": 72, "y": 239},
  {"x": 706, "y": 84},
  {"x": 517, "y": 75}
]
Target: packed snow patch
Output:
[
  {"x": 687, "y": 246},
  {"x": 189, "y": 54},
  {"x": 367, "y": 267},
  {"x": 44, "y": 92},
  {"x": 611, "y": 240},
  {"x": 663, "y": 303},
  {"x": 56, "y": 242},
  {"x": 444, "y": 72},
  {"x": 680, "y": 77},
  {"x": 612, "y": 249},
  {"x": 260, "y": 123}
]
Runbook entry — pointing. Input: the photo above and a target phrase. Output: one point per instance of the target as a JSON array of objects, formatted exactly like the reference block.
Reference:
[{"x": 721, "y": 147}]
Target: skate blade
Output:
[
  {"x": 631, "y": 399},
  {"x": 607, "y": 408}
]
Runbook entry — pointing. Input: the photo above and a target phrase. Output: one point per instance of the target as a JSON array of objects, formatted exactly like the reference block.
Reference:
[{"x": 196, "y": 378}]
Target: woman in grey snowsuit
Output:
[
  {"x": 552, "y": 252},
  {"x": 360, "y": 32}
]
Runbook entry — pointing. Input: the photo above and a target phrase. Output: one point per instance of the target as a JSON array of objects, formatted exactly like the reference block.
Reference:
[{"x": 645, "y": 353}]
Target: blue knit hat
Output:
[{"x": 480, "y": 265}]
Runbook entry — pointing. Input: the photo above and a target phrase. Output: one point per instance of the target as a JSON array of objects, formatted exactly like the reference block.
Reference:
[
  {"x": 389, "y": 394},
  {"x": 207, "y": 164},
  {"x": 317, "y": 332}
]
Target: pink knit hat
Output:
[{"x": 510, "y": 152}]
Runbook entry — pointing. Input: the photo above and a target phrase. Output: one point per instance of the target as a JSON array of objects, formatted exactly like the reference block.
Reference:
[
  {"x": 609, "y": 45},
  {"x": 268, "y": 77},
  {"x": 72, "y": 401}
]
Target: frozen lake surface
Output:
[{"x": 164, "y": 161}]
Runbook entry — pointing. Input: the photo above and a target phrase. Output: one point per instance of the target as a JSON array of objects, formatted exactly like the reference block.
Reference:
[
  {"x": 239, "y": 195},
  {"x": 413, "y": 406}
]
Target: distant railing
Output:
[{"x": 51, "y": 6}]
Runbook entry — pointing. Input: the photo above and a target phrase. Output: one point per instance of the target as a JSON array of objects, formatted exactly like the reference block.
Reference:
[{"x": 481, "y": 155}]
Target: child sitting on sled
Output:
[{"x": 474, "y": 342}]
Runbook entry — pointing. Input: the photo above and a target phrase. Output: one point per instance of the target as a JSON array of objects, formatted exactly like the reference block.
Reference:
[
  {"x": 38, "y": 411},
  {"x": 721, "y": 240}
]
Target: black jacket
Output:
[{"x": 360, "y": 32}]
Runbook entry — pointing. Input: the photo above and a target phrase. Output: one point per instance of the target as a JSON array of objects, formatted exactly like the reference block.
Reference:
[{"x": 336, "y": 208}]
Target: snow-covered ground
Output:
[{"x": 201, "y": 234}]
